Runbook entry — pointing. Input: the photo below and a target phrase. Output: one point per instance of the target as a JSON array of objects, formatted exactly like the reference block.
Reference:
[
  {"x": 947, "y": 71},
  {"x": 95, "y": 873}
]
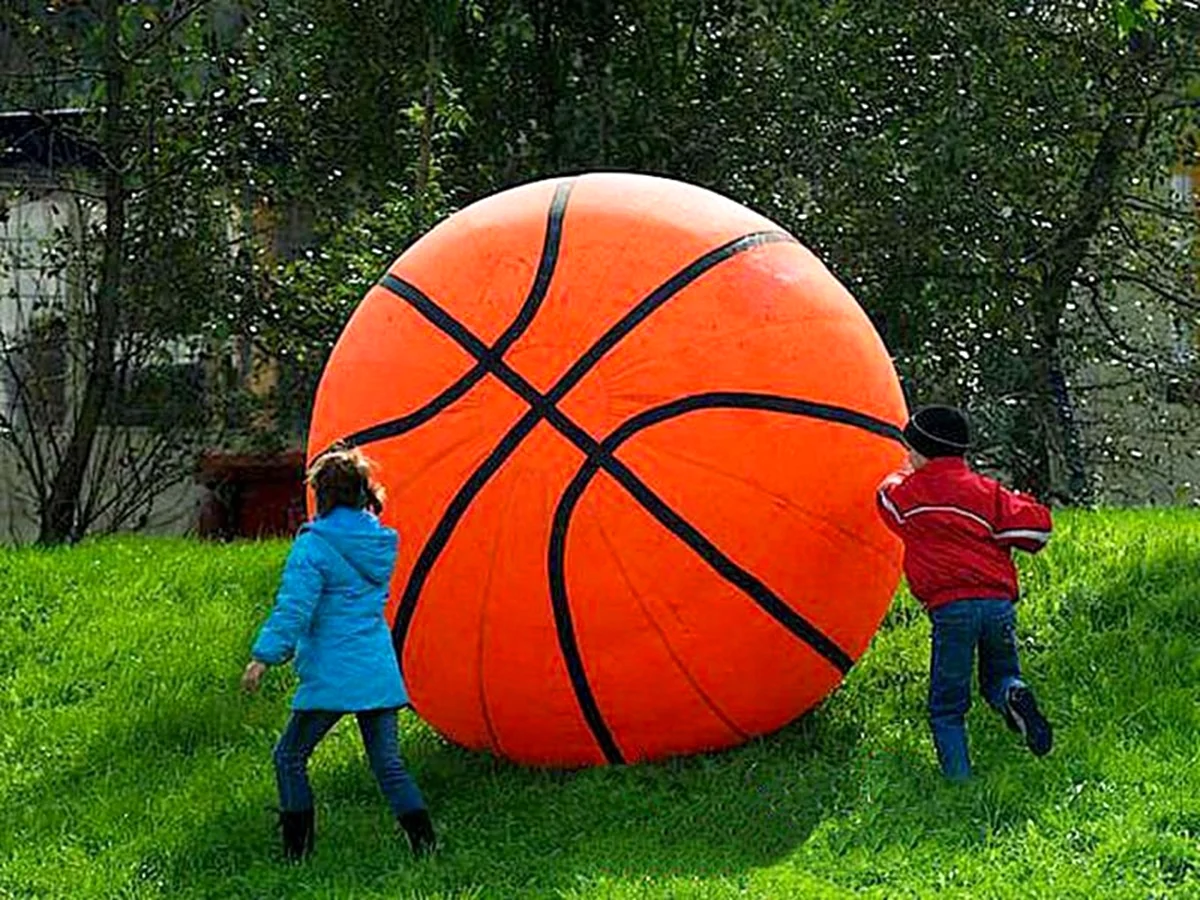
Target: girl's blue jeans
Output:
[
  {"x": 959, "y": 628},
  {"x": 378, "y": 727}
]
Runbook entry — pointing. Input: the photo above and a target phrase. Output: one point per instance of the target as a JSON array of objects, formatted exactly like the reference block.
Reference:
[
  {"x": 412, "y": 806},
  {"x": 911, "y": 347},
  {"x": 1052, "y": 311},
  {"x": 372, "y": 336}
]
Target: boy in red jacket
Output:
[{"x": 959, "y": 529}]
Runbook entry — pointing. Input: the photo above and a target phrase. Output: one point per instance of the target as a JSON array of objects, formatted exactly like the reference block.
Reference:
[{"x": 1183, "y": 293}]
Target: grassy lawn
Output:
[{"x": 132, "y": 766}]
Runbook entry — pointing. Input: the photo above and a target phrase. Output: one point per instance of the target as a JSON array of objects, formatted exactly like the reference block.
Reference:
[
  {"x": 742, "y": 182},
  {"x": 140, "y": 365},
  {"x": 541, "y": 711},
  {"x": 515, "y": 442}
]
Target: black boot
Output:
[
  {"x": 298, "y": 833},
  {"x": 419, "y": 828}
]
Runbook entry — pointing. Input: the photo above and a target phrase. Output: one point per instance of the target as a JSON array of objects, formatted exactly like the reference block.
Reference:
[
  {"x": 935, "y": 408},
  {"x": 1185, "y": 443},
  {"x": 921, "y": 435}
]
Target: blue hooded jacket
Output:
[{"x": 329, "y": 617}]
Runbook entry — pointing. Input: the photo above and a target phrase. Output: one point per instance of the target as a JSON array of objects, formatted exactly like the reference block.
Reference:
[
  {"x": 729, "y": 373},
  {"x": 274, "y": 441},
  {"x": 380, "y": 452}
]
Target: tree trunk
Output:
[
  {"x": 1030, "y": 450},
  {"x": 60, "y": 517},
  {"x": 1058, "y": 429},
  {"x": 1050, "y": 432},
  {"x": 545, "y": 15},
  {"x": 425, "y": 151}
]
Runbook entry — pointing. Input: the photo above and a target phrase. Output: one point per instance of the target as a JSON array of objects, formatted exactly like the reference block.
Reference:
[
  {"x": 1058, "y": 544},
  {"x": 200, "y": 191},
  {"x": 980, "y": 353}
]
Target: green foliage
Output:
[
  {"x": 130, "y": 765},
  {"x": 312, "y": 298},
  {"x": 1131, "y": 16},
  {"x": 942, "y": 162},
  {"x": 990, "y": 179}
]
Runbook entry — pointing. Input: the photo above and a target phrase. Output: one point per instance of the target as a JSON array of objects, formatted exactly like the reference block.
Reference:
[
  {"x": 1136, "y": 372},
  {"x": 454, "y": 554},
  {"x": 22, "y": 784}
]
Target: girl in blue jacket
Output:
[{"x": 329, "y": 621}]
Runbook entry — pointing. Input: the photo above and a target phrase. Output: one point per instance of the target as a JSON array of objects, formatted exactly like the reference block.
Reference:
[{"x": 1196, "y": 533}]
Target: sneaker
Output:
[{"x": 1023, "y": 710}]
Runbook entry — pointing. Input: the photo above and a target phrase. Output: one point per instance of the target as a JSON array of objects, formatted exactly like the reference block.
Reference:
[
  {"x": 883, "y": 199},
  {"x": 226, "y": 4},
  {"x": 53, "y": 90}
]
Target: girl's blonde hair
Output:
[{"x": 342, "y": 477}]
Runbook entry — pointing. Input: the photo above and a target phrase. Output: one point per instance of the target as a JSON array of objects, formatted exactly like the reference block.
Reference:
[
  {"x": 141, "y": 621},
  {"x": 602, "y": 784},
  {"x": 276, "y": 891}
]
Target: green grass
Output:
[{"x": 131, "y": 765}]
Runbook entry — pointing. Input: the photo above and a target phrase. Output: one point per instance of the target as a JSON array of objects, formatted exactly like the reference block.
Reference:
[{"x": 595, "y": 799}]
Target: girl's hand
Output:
[{"x": 252, "y": 677}]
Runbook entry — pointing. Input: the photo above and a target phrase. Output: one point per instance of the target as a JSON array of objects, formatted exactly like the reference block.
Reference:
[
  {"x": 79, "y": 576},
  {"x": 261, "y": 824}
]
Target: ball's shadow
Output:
[{"x": 504, "y": 826}]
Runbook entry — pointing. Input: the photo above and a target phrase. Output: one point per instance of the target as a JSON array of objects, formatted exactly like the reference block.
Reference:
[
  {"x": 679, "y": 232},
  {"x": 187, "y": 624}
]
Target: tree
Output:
[
  {"x": 973, "y": 188},
  {"x": 985, "y": 177},
  {"x": 361, "y": 99},
  {"x": 162, "y": 98},
  {"x": 961, "y": 168}
]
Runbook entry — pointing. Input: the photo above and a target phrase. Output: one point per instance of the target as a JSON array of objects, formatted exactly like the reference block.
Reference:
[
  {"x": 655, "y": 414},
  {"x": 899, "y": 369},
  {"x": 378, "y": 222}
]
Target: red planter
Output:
[{"x": 251, "y": 495}]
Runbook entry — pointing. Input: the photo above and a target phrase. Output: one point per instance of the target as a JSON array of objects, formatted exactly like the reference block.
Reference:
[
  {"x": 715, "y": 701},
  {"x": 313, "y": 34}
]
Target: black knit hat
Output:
[{"x": 935, "y": 431}]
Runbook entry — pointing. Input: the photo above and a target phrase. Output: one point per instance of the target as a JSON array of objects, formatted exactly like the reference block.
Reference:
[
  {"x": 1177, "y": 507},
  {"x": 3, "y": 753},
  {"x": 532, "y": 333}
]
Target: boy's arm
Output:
[
  {"x": 299, "y": 590},
  {"x": 885, "y": 502},
  {"x": 1021, "y": 521}
]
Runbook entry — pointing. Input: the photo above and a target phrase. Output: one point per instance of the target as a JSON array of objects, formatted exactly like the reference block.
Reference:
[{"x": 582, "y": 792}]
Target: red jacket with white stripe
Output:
[{"x": 959, "y": 529}]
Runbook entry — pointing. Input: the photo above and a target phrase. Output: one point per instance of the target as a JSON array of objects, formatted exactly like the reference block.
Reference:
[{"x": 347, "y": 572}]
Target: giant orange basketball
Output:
[{"x": 630, "y": 433}]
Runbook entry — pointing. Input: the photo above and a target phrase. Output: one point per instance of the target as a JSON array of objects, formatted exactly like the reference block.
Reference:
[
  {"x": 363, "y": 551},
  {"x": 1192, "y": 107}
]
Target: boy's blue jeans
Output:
[
  {"x": 378, "y": 727},
  {"x": 958, "y": 628}
]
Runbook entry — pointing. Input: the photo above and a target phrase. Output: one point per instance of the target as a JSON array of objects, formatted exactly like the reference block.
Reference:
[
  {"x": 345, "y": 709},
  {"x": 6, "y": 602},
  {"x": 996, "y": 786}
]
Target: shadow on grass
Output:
[
  {"x": 509, "y": 831},
  {"x": 512, "y": 830},
  {"x": 132, "y": 754}
]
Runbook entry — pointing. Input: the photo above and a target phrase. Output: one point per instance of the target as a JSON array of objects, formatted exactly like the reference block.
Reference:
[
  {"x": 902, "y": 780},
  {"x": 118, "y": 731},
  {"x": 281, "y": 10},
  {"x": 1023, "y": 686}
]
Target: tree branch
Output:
[
  {"x": 1164, "y": 293},
  {"x": 1141, "y": 248},
  {"x": 1159, "y": 209},
  {"x": 164, "y": 31},
  {"x": 32, "y": 458},
  {"x": 1113, "y": 332}
]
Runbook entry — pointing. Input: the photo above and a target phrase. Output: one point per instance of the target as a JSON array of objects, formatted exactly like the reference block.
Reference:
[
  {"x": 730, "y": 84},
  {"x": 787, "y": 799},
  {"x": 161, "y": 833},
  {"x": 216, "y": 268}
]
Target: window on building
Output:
[{"x": 34, "y": 294}]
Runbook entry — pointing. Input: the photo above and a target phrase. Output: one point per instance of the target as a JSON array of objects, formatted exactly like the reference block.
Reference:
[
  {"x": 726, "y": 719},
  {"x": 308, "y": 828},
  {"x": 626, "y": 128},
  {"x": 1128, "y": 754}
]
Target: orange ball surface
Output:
[{"x": 630, "y": 433}]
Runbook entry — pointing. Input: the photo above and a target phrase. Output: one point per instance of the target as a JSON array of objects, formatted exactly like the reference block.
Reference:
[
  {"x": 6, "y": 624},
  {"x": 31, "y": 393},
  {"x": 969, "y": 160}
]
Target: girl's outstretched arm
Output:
[{"x": 299, "y": 590}]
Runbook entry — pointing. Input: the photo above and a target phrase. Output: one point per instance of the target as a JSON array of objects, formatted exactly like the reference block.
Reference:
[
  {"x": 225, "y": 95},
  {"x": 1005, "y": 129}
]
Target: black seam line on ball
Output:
[
  {"x": 447, "y": 523},
  {"x": 657, "y": 298},
  {"x": 543, "y": 407},
  {"x": 405, "y": 424},
  {"x": 563, "y": 623},
  {"x": 533, "y": 301},
  {"x": 730, "y": 571},
  {"x": 722, "y": 564},
  {"x": 745, "y": 400},
  {"x": 540, "y": 406},
  {"x": 545, "y": 272}
]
